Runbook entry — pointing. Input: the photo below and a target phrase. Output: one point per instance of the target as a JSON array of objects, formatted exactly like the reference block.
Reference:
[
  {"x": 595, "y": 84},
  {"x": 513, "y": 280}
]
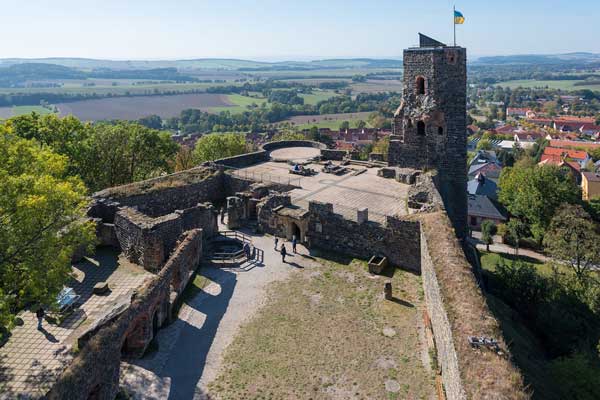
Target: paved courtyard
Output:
[
  {"x": 31, "y": 359},
  {"x": 347, "y": 193}
]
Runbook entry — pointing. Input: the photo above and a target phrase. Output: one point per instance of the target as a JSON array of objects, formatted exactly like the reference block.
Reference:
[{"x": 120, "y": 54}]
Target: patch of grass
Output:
[
  {"x": 239, "y": 103},
  {"x": 317, "y": 96},
  {"x": 489, "y": 261},
  {"x": 319, "y": 335}
]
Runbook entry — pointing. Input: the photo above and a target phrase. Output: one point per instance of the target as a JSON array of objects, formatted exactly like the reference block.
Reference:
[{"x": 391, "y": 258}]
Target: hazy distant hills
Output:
[
  {"x": 207, "y": 64},
  {"x": 574, "y": 58}
]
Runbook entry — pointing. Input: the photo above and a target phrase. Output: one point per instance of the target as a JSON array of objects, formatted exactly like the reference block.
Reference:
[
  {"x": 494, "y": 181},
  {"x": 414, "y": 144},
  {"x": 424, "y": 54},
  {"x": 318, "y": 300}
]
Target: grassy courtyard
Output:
[{"x": 328, "y": 333}]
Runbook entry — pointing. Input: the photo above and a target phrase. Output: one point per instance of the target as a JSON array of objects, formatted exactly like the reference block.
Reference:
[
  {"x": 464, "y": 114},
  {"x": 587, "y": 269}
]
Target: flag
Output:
[{"x": 458, "y": 18}]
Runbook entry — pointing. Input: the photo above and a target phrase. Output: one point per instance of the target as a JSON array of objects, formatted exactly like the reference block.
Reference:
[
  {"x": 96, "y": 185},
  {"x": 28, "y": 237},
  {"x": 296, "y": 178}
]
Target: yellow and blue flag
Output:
[{"x": 458, "y": 18}]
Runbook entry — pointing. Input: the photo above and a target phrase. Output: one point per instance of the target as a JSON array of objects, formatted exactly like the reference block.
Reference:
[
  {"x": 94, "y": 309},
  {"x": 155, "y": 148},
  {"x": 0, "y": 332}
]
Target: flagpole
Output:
[{"x": 454, "y": 23}]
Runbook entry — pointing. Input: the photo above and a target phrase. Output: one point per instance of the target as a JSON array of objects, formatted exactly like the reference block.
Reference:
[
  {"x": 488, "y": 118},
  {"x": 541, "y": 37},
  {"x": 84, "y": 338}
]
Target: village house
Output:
[
  {"x": 481, "y": 208},
  {"x": 569, "y": 167},
  {"x": 590, "y": 185},
  {"x": 557, "y": 154},
  {"x": 480, "y": 185}
]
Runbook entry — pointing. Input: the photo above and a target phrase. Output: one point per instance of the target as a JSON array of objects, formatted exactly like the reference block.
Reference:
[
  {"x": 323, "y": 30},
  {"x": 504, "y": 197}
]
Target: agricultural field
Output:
[
  {"x": 14, "y": 111},
  {"x": 567, "y": 85},
  {"x": 317, "y": 96},
  {"x": 132, "y": 108},
  {"x": 377, "y": 86},
  {"x": 123, "y": 87},
  {"x": 331, "y": 121},
  {"x": 236, "y": 103}
]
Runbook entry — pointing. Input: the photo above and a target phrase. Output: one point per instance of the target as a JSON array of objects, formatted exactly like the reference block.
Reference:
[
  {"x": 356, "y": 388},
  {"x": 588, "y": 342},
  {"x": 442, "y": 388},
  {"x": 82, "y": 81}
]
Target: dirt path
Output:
[{"x": 190, "y": 350}]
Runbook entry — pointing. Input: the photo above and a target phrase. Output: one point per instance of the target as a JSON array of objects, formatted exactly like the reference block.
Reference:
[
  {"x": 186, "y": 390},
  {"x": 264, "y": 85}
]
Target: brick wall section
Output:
[
  {"x": 457, "y": 310},
  {"x": 398, "y": 240},
  {"x": 148, "y": 241},
  {"x": 94, "y": 372}
]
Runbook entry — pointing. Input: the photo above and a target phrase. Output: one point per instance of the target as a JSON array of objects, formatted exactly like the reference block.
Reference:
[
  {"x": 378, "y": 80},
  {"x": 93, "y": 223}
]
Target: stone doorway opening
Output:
[{"x": 296, "y": 232}]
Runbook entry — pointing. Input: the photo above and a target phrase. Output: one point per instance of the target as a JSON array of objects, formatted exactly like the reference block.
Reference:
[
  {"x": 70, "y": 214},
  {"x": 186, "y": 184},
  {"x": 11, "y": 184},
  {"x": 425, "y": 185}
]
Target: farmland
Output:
[
  {"x": 331, "y": 121},
  {"x": 14, "y": 111},
  {"x": 567, "y": 85},
  {"x": 138, "y": 107}
]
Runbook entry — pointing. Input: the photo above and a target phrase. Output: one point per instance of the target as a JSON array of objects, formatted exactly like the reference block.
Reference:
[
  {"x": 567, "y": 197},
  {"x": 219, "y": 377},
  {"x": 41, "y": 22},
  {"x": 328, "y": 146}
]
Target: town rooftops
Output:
[
  {"x": 482, "y": 206},
  {"x": 562, "y": 152},
  {"x": 574, "y": 144},
  {"x": 592, "y": 176}
]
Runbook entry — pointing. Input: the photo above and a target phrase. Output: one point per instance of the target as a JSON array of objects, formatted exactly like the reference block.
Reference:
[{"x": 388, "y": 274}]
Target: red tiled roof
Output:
[
  {"x": 574, "y": 119},
  {"x": 560, "y": 152},
  {"x": 574, "y": 144}
]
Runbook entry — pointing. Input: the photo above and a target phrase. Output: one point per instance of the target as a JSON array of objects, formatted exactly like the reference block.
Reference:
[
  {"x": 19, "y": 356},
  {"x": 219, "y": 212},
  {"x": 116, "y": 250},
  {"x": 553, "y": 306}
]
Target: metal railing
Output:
[
  {"x": 265, "y": 177},
  {"x": 237, "y": 257}
]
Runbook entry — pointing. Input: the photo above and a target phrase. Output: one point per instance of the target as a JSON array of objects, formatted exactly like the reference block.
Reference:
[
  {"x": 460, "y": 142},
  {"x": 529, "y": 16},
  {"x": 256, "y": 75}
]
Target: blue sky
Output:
[{"x": 276, "y": 30}]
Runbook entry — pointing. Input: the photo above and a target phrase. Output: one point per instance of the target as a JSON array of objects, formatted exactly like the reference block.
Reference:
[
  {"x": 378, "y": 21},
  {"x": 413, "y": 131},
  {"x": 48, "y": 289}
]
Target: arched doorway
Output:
[{"x": 297, "y": 232}]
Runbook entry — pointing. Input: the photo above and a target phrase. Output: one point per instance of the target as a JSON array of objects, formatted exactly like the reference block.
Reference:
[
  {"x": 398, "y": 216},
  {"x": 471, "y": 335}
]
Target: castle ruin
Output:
[{"x": 409, "y": 210}]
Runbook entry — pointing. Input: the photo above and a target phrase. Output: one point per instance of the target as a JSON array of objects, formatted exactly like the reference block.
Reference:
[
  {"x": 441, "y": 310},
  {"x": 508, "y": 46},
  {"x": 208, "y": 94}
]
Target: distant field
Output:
[
  {"x": 331, "y": 121},
  {"x": 236, "y": 103},
  {"x": 377, "y": 86},
  {"x": 317, "y": 96},
  {"x": 7, "y": 112},
  {"x": 563, "y": 85},
  {"x": 132, "y": 108},
  {"x": 121, "y": 89}
]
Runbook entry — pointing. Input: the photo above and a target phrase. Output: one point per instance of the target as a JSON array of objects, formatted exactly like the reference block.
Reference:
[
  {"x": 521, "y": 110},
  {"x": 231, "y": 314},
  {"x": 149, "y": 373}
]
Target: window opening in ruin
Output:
[
  {"x": 421, "y": 128},
  {"x": 409, "y": 123},
  {"x": 420, "y": 85},
  {"x": 440, "y": 130}
]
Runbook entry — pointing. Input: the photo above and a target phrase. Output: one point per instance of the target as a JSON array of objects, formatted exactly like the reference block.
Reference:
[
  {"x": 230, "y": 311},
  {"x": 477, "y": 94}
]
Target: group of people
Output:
[{"x": 283, "y": 250}]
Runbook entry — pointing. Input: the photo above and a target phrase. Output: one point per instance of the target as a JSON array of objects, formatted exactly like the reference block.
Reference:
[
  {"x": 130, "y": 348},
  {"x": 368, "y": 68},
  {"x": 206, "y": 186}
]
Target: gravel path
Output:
[{"x": 191, "y": 349}]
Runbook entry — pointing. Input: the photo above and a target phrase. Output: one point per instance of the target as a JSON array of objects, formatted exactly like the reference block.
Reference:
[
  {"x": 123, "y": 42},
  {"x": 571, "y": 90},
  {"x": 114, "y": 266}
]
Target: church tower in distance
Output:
[{"x": 429, "y": 127}]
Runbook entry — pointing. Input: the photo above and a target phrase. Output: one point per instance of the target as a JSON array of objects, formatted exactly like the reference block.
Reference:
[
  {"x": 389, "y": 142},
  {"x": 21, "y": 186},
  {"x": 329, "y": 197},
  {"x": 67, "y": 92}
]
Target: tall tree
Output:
[
  {"x": 488, "y": 230},
  {"x": 573, "y": 239},
  {"x": 533, "y": 193},
  {"x": 219, "y": 145},
  {"x": 41, "y": 210}
]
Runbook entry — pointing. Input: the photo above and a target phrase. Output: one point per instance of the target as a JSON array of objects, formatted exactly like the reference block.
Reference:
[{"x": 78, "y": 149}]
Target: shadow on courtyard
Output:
[{"x": 188, "y": 358}]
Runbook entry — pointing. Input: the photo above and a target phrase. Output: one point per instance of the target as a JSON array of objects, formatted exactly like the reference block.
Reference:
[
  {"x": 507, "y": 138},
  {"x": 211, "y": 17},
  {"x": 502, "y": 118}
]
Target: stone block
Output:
[
  {"x": 362, "y": 215},
  {"x": 377, "y": 264}
]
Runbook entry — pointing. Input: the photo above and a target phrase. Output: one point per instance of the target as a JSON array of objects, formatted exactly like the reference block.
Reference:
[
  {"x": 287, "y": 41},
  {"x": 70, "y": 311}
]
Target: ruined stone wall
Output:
[
  {"x": 457, "y": 309},
  {"x": 244, "y": 160},
  {"x": 335, "y": 155},
  {"x": 148, "y": 241},
  {"x": 163, "y": 195},
  {"x": 267, "y": 218},
  {"x": 398, "y": 240},
  {"x": 94, "y": 372}
]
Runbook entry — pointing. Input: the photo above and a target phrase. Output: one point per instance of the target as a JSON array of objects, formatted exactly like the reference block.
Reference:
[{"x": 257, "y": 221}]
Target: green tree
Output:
[
  {"x": 573, "y": 239},
  {"x": 361, "y": 124},
  {"x": 41, "y": 214},
  {"x": 344, "y": 125},
  {"x": 151, "y": 121},
  {"x": 577, "y": 377},
  {"x": 381, "y": 146},
  {"x": 488, "y": 230},
  {"x": 184, "y": 159},
  {"x": 219, "y": 145},
  {"x": 533, "y": 193},
  {"x": 126, "y": 152},
  {"x": 484, "y": 144}
]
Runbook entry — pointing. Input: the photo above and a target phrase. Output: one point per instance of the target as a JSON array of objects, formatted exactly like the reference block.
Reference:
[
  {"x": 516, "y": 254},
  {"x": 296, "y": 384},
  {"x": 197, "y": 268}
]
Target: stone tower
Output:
[{"x": 429, "y": 128}]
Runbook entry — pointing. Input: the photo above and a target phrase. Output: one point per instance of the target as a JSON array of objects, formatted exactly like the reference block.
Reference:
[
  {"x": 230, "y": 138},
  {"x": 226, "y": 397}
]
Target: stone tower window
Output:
[
  {"x": 409, "y": 123},
  {"x": 421, "y": 128},
  {"x": 420, "y": 85},
  {"x": 440, "y": 130}
]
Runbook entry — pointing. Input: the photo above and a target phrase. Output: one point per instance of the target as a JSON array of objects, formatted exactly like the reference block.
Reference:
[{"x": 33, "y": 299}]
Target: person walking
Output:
[
  {"x": 294, "y": 242},
  {"x": 276, "y": 242},
  {"x": 40, "y": 317},
  {"x": 283, "y": 252}
]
